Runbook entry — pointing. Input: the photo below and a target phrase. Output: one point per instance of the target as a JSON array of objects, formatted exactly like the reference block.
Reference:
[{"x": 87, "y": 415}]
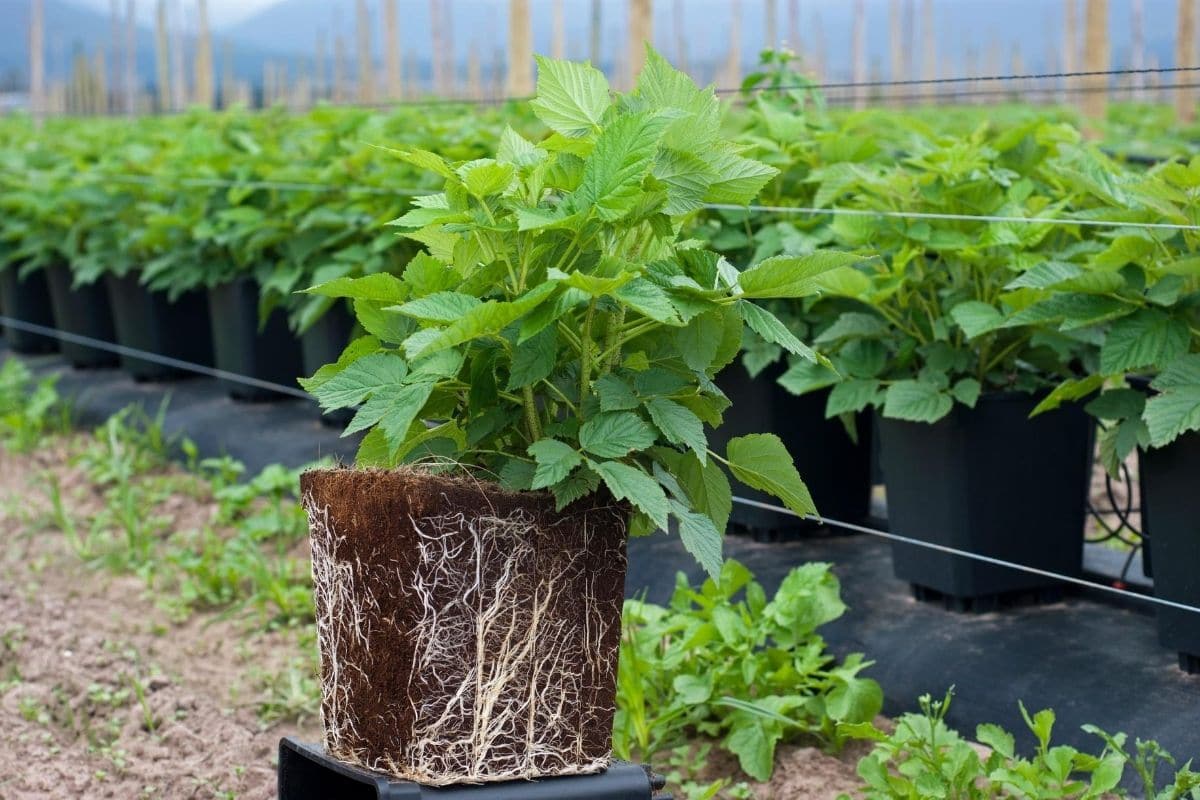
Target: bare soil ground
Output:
[
  {"x": 101, "y": 694},
  {"x": 104, "y": 695}
]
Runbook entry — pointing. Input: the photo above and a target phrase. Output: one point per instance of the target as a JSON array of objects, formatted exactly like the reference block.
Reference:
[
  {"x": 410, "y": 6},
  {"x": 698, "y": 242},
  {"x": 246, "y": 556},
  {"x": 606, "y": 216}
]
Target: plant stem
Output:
[
  {"x": 585, "y": 353},
  {"x": 531, "y": 416}
]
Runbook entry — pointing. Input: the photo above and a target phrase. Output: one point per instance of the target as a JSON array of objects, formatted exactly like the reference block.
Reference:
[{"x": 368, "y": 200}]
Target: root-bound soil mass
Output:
[{"x": 467, "y": 634}]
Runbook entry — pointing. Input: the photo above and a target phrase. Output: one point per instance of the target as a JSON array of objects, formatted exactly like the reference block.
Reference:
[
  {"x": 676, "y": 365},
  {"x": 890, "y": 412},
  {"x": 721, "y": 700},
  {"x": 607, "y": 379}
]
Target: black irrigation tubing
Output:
[
  {"x": 146, "y": 355},
  {"x": 954, "y": 551},
  {"x": 294, "y": 392}
]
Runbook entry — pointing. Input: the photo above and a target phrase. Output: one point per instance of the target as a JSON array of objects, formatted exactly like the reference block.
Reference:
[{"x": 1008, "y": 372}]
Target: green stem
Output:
[
  {"x": 562, "y": 396},
  {"x": 585, "y": 353},
  {"x": 531, "y": 416},
  {"x": 999, "y": 357},
  {"x": 612, "y": 342}
]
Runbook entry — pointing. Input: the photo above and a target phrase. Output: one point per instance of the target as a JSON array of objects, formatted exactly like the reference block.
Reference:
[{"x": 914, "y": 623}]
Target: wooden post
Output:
[
  {"x": 820, "y": 61},
  {"x": 641, "y": 31},
  {"x": 858, "y": 49},
  {"x": 731, "y": 76},
  {"x": 1185, "y": 56},
  {"x": 340, "y": 93},
  {"x": 678, "y": 20},
  {"x": 771, "y": 20},
  {"x": 594, "y": 34},
  {"x": 1097, "y": 58},
  {"x": 366, "y": 77},
  {"x": 474, "y": 73},
  {"x": 130, "y": 84},
  {"x": 99, "y": 83},
  {"x": 204, "y": 57},
  {"x": 558, "y": 41},
  {"x": 37, "y": 62},
  {"x": 394, "y": 80},
  {"x": 896, "y": 45},
  {"x": 929, "y": 64},
  {"x": 436, "y": 39},
  {"x": 794, "y": 40},
  {"x": 114, "y": 55},
  {"x": 520, "y": 50},
  {"x": 1137, "y": 48},
  {"x": 1070, "y": 45},
  {"x": 228, "y": 81},
  {"x": 162, "y": 63},
  {"x": 178, "y": 77},
  {"x": 449, "y": 60}
]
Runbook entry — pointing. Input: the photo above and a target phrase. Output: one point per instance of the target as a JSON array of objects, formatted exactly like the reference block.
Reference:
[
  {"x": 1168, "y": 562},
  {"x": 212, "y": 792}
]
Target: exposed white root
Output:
[{"x": 502, "y": 688}]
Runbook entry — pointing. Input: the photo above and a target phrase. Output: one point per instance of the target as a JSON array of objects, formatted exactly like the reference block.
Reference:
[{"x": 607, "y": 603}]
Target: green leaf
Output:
[
  {"x": 805, "y": 376},
  {"x": 688, "y": 179},
  {"x": 916, "y": 401},
  {"x": 580, "y": 483},
  {"x": 438, "y": 307},
  {"x": 402, "y": 411},
  {"x": 555, "y": 460},
  {"x": 762, "y": 462},
  {"x": 377, "y": 320},
  {"x": 649, "y": 300},
  {"x": 362, "y": 346},
  {"x": 693, "y": 689},
  {"x": 700, "y": 537},
  {"x": 533, "y": 359},
  {"x": 706, "y": 487},
  {"x": 1148, "y": 337},
  {"x": 976, "y": 318},
  {"x": 1068, "y": 390},
  {"x": 615, "y": 434},
  {"x": 853, "y": 325},
  {"x": 422, "y": 159},
  {"x": 517, "y": 150},
  {"x": 632, "y": 484},
  {"x": 1176, "y": 410},
  {"x": 738, "y": 180},
  {"x": 753, "y": 741},
  {"x": 792, "y": 276},
  {"x": 612, "y": 176},
  {"x": 374, "y": 451},
  {"x": 381, "y": 287},
  {"x": 996, "y": 738},
  {"x": 1117, "y": 404},
  {"x": 851, "y": 397},
  {"x": 615, "y": 394},
  {"x": 854, "y": 700},
  {"x": 966, "y": 391},
  {"x": 679, "y": 425},
  {"x": 699, "y": 340},
  {"x": 356, "y": 382},
  {"x": 486, "y": 177},
  {"x": 571, "y": 98},
  {"x": 766, "y": 325},
  {"x": 487, "y": 319}
]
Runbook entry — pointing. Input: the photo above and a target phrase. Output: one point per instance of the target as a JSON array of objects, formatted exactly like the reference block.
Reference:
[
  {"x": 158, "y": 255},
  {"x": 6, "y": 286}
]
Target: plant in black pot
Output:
[
  {"x": 540, "y": 392},
  {"x": 1146, "y": 281},
  {"x": 30, "y": 236},
  {"x": 939, "y": 351}
]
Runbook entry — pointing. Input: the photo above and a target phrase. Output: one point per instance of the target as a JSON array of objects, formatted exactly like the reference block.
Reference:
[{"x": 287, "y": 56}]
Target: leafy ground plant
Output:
[
  {"x": 725, "y": 662},
  {"x": 923, "y": 758},
  {"x": 556, "y": 332}
]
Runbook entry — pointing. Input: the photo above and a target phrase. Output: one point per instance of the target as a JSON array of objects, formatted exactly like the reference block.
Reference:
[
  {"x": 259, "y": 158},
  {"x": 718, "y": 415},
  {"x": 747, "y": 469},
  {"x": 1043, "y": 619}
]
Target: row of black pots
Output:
[
  {"x": 988, "y": 480},
  {"x": 218, "y": 328}
]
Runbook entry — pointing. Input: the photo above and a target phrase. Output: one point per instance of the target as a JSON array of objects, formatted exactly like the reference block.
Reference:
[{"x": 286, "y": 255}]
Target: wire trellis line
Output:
[
  {"x": 157, "y": 358},
  {"x": 247, "y": 380},
  {"x": 954, "y": 551},
  {"x": 1013, "y": 93},
  {"x": 761, "y": 209}
]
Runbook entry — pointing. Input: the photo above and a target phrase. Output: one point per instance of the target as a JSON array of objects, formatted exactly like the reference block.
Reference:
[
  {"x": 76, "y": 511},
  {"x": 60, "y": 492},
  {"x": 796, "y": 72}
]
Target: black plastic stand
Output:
[{"x": 307, "y": 773}]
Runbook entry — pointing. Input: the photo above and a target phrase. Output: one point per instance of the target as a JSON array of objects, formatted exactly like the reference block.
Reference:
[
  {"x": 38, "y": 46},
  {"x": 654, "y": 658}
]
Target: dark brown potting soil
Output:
[{"x": 467, "y": 633}]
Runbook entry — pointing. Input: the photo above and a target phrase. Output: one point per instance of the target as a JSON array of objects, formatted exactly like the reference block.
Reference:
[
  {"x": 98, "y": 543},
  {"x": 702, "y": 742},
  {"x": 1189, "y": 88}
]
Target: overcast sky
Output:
[{"x": 220, "y": 12}]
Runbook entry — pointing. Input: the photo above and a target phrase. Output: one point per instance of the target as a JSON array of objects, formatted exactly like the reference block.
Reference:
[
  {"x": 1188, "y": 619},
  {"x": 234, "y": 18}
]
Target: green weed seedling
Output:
[
  {"x": 725, "y": 662},
  {"x": 29, "y": 409}
]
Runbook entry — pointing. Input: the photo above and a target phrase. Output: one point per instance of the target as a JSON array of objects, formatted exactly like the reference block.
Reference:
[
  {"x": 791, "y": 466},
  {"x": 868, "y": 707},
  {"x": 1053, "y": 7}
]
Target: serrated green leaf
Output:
[
  {"x": 762, "y": 462},
  {"x": 578, "y": 484},
  {"x": 649, "y": 300},
  {"x": 360, "y": 379},
  {"x": 1117, "y": 404},
  {"x": 803, "y": 377},
  {"x": 706, "y": 487},
  {"x": 976, "y": 318},
  {"x": 362, "y": 346},
  {"x": 438, "y": 307},
  {"x": 571, "y": 97},
  {"x": 766, "y": 325},
  {"x": 852, "y": 325},
  {"x": 615, "y": 434},
  {"x": 615, "y": 394},
  {"x": 916, "y": 401},
  {"x": 738, "y": 180},
  {"x": 486, "y": 177},
  {"x": 382, "y": 323},
  {"x": 792, "y": 276},
  {"x": 1072, "y": 389},
  {"x": 700, "y": 537},
  {"x": 1176, "y": 410},
  {"x": 966, "y": 391},
  {"x": 487, "y": 319},
  {"x": 679, "y": 425},
  {"x": 612, "y": 176},
  {"x": 381, "y": 287},
  {"x": 555, "y": 460},
  {"x": 851, "y": 397},
  {"x": 533, "y": 360},
  {"x": 1148, "y": 337},
  {"x": 632, "y": 484}
]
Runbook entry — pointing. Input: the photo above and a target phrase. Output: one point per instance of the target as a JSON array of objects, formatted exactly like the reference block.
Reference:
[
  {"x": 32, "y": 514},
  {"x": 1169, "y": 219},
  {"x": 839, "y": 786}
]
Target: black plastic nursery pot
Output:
[
  {"x": 269, "y": 353},
  {"x": 990, "y": 481},
  {"x": 307, "y": 772},
  {"x": 467, "y": 634},
  {"x": 1170, "y": 477},
  {"x": 26, "y": 299},
  {"x": 836, "y": 469},
  {"x": 84, "y": 311},
  {"x": 149, "y": 321},
  {"x": 322, "y": 344}
]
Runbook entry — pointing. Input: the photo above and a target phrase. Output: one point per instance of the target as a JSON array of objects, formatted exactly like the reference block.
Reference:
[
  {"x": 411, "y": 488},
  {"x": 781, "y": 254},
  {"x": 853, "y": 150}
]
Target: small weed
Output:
[{"x": 291, "y": 695}]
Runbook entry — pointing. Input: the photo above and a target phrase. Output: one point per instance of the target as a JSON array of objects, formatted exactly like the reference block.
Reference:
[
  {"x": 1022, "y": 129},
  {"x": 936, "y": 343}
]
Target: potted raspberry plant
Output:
[{"x": 535, "y": 387}]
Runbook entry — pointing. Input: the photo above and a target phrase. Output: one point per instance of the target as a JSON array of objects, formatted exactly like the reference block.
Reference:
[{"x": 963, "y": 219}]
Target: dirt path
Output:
[{"x": 101, "y": 694}]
